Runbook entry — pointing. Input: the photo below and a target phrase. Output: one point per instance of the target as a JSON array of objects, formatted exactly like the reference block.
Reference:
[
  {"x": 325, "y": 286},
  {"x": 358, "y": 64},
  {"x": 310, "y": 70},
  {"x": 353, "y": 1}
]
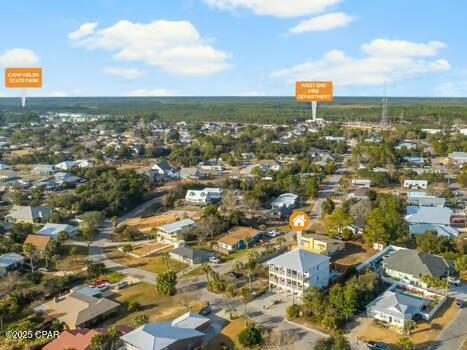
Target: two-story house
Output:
[{"x": 295, "y": 271}]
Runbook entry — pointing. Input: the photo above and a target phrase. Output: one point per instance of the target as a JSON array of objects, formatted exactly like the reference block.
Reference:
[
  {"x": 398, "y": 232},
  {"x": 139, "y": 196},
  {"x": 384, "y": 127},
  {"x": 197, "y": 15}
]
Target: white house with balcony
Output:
[
  {"x": 206, "y": 196},
  {"x": 416, "y": 184},
  {"x": 295, "y": 271}
]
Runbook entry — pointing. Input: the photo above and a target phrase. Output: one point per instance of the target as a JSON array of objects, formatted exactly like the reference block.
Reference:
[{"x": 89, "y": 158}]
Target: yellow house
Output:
[{"x": 320, "y": 244}]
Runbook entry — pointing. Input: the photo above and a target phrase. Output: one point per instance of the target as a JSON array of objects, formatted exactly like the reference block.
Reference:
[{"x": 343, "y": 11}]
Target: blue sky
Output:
[{"x": 237, "y": 47}]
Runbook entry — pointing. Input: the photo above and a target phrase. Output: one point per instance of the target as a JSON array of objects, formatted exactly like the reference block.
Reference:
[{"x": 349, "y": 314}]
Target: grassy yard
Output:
[
  {"x": 422, "y": 336},
  {"x": 153, "y": 264},
  {"x": 196, "y": 272},
  {"x": 73, "y": 258},
  {"x": 228, "y": 336},
  {"x": 158, "y": 308}
]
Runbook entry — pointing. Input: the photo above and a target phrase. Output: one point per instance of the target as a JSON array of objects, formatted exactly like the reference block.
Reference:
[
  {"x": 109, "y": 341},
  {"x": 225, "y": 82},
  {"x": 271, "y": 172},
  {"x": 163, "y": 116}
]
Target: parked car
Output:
[
  {"x": 104, "y": 286},
  {"x": 214, "y": 260},
  {"x": 377, "y": 345},
  {"x": 206, "y": 311},
  {"x": 122, "y": 284},
  {"x": 234, "y": 274},
  {"x": 273, "y": 234},
  {"x": 454, "y": 281},
  {"x": 100, "y": 282}
]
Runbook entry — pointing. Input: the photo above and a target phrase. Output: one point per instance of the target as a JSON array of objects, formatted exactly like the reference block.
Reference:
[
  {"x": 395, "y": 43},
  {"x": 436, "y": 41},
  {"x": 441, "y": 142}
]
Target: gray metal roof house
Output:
[{"x": 185, "y": 332}]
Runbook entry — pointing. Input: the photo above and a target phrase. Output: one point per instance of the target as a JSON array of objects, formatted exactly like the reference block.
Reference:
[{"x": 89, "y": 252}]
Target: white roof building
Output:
[
  {"x": 428, "y": 215},
  {"x": 295, "y": 271},
  {"x": 53, "y": 230},
  {"x": 205, "y": 196},
  {"x": 185, "y": 332},
  {"x": 284, "y": 200}
]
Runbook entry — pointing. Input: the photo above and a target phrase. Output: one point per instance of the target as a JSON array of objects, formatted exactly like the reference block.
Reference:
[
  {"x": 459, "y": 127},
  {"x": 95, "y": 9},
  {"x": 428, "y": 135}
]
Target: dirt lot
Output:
[
  {"x": 353, "y": 254},
  {"x": 148, "y": 224},
  {"x": 151, "y": 249},
  {"x": 158, "y": 308},
  {"x": 421, "y": 336},
  {"x": 153, "y": 264}
]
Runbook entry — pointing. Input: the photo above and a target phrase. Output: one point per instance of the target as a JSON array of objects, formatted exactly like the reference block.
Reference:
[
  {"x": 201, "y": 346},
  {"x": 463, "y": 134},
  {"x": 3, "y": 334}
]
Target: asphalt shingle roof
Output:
[{"x": 416, "y": 263}]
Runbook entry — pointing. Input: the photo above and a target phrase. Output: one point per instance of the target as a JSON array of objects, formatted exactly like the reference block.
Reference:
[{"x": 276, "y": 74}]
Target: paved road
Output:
[
  {"x": 328, "y": 188},
  {"x": 454, "y": 334},
  {"x": 452, "y": 337}
]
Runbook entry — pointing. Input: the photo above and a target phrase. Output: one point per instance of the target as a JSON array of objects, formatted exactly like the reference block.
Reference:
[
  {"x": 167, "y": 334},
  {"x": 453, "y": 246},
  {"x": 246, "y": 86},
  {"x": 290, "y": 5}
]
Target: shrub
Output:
[
  {"x": 293, "y": 311},
  {"x": 250, "y": 336},
  {"x": 133, "y": 306}
]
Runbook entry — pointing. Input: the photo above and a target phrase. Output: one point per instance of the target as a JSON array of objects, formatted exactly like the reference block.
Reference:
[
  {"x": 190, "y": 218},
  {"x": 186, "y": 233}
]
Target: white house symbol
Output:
[{"x": 299, "y": 221}]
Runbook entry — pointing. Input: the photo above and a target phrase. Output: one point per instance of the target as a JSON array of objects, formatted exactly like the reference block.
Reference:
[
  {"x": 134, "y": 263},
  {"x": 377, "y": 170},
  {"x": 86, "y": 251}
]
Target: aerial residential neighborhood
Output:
[
  {"x": 233, "y": 175},
  {"x": 341, "y": 240}
]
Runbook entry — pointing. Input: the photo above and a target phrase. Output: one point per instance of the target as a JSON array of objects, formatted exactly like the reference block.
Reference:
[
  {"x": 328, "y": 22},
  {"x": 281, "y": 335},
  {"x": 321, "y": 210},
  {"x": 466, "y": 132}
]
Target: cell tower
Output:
[
  {"x": 384, "y": 112},
  {"x": 384, "y": 109}
]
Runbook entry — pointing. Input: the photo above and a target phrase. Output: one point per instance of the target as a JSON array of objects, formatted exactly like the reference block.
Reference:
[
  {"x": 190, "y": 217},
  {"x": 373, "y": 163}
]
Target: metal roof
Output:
[
  {"x": 428, "y": 215},
  {"x": 177, "y": 225},
  {"x": 299, "y": 260}
]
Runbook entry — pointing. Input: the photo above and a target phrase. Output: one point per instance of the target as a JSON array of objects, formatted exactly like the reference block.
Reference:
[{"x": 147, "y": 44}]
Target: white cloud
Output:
[
  {"x": 84, "y": 30},
  {"x": 59, "y": 94},
  {"x": 155, "y": 92},
  {"x": 18, "y": 58},
  {"x": 125, "y": 73},
  {"x": 323, "y": 23},
  {"x": 385, "y": 61},
  {"x": 174, "y": 46},
  {"x": 402, "y": 48},
  {"x": 276, "y": 8}
]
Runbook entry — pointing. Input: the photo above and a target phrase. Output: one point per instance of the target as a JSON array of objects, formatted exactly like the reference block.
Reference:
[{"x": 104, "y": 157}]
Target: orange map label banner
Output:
[
  {"x": 314, "y": 91},
  {"x": 23, "y": 78}
]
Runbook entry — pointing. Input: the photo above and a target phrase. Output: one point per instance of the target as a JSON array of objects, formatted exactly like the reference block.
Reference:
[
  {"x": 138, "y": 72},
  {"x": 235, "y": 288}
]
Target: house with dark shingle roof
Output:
[
  {"x": 412, "y": 265},
  {"x": 189, "y": 255}
]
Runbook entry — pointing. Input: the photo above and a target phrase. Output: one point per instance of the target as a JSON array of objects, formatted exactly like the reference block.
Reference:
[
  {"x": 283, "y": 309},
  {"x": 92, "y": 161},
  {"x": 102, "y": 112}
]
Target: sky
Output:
[{"x": 236, "y": 47}]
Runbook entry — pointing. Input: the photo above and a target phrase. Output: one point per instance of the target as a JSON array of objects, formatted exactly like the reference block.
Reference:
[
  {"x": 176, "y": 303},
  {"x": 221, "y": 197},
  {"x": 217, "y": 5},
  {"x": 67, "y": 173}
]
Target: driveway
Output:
[{"x": 263, "y": 311}]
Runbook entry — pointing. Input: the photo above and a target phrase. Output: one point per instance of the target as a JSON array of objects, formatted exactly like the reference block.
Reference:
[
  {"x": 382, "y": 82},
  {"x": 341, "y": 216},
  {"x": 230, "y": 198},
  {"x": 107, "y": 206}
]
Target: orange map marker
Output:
[{"x": 299, "y": 221}]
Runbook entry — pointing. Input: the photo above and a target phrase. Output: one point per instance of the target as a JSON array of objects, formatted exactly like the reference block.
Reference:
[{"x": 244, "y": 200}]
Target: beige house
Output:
[
  {"x": 78, "y": 310},
  {"x": 236, "y": 239},
  {"x": 320, "y": 244}
]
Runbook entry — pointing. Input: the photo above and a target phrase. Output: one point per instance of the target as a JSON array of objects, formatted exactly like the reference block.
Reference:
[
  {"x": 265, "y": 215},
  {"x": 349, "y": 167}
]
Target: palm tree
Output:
[
  {"x": 248, "y": 241},
  {"x": 231, "y": 311},
  {"x": 246, "y": 295},
  {"x": 3, "y": 313},
  {"x": 166, "y": 260},
  {"x": 62, "y": 237},
  {"x": 47, "y": 254},
  {"x": 30, "y": 251},
  {"x": 113, "y": 334},
  {"x": 409, "y": 325},
  {"x": 251, "y": 264},
  {"x": 114, "y": 221},
  {"x": 206, "y": 268},
  {"x": 56, "y": 259}
]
